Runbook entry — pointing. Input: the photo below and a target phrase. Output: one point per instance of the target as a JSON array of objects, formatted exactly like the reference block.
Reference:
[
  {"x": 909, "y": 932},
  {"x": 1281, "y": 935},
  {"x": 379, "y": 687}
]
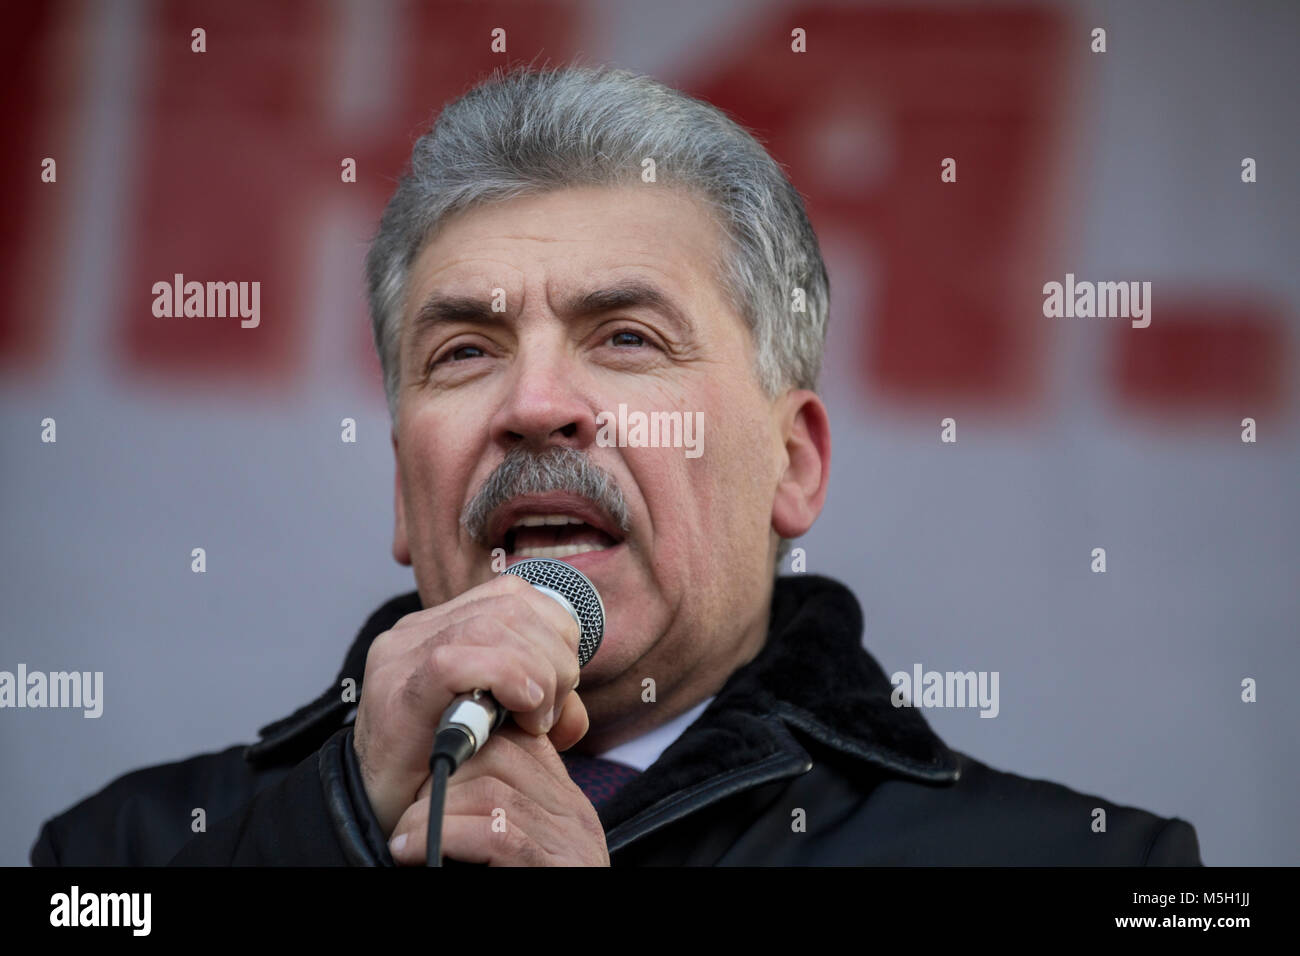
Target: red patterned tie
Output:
[{"x": 597, "y": 777}]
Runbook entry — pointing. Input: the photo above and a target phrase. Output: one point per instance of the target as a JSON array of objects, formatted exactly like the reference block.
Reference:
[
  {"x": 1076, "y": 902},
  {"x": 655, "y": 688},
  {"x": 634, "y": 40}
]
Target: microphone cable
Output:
[{"x": 451, "y": 748}]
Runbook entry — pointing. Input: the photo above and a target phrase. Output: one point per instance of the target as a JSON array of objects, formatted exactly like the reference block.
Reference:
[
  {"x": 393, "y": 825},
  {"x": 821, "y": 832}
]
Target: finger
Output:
[
  {"x": 468, "y": 839},
  {"x": 544, "y": 626},
  {"x": 536, "y": 716},
  {"x": 496, "y": 587},
  {"x": 493, "y": 805},
  {"x": 511, "y": 764},
  {"x": 410, "y": 837},
  {"x": 572, "y": 725},
  {"x": 412, "y": 630},
  {"x": 521, "y": 680},
  {"x": 504, "y": 843},
  {"x": 498, "y": 760},
  {"x": 534, "y": 621},
  {"x": 551, "y": 611},
  {"x": 510, "y": 614},
  {"x": 512, "y": 629}
]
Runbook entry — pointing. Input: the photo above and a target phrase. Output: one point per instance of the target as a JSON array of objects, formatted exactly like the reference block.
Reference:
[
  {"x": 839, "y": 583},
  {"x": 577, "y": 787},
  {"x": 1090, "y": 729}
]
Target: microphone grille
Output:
[{"x": 567, "y": 580}]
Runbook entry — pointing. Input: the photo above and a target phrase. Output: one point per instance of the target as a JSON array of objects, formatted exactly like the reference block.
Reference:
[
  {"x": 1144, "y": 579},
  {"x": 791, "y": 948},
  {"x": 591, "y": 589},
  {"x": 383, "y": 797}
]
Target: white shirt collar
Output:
[{"x": 642, "y": 751}]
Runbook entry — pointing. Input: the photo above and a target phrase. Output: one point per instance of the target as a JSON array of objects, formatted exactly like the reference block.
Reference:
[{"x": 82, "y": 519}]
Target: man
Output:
[{"x": 569, "y": 244}]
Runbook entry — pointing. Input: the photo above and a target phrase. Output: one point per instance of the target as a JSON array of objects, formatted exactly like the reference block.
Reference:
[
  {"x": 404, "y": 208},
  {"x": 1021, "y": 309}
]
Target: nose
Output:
[{"x": 543, "y": 405}]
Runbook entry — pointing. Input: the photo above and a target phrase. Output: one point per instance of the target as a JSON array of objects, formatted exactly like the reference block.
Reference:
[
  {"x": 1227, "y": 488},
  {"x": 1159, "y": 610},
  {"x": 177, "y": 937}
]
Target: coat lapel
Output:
[{"x": 811, "y": 675}]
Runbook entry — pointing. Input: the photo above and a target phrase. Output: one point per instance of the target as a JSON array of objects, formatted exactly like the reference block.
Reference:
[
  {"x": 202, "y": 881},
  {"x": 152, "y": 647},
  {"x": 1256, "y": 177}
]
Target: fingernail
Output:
[
  {"x": 395, "y": 845},
  {"x": 534, "y": 692}
]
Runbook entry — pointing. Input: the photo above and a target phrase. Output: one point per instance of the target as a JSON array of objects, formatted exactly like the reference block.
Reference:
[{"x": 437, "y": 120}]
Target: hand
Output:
[
  {"x": 501, "y": 637},
  {"x": 513, "y": 804}
]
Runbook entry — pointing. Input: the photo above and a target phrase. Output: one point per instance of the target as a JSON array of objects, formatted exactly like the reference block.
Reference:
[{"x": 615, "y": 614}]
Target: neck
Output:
[{"x": 613, "y": 722}]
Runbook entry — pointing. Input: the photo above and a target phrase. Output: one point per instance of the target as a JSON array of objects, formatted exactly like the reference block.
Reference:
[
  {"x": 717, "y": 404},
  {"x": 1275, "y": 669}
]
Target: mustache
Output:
[{"x": 557, "y": 468}]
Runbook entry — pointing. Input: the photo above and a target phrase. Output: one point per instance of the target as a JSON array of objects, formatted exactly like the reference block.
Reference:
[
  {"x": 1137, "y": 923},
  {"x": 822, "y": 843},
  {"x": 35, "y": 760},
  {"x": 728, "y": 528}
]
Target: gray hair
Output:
[{"x": 530, "y": 131}]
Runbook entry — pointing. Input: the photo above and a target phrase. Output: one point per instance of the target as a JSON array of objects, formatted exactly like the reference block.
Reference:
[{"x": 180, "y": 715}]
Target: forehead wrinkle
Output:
[
  {"x": 544, "y": 238},
  {"x": 438, "y": 306}
]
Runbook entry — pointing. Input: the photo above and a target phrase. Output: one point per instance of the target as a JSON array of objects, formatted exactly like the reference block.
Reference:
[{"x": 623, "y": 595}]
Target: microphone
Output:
[
  {"x": 571, "y": 588},
  {"x": 472, "y": 717}
]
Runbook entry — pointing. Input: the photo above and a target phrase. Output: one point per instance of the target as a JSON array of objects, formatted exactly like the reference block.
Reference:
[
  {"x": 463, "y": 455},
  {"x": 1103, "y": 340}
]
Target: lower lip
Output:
[{"x": 586, "y": 562}]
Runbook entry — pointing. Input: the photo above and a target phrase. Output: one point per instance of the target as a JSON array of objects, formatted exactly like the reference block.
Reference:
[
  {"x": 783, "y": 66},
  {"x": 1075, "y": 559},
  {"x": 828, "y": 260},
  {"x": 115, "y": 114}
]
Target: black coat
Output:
[{"x": 807, "y": 725}]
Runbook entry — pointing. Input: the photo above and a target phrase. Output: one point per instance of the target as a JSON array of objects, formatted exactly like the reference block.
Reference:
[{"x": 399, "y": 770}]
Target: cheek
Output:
[
  {"x": 717, "y": 503},
  {"x": 739, "y": 477},
  {"x": 437, "y": 454}
]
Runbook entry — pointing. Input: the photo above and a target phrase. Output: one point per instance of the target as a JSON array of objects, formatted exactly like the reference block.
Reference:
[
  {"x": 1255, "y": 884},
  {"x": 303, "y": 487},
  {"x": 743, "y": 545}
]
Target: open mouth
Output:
[
  {"x": 554, "y": 536},
  {"x": 557, "y": 524}
]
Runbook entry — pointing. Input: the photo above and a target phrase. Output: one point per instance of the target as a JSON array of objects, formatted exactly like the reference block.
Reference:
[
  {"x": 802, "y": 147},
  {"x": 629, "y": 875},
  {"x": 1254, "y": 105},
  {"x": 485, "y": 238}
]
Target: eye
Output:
[
  {"x": 624, "y": 335},
  {"x": 455, "y": 355}
]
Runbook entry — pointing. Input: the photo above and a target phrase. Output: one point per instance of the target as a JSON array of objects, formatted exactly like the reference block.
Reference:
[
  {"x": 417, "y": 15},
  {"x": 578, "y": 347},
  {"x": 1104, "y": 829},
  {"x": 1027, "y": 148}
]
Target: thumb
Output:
[{"x": 572, "y": 725}]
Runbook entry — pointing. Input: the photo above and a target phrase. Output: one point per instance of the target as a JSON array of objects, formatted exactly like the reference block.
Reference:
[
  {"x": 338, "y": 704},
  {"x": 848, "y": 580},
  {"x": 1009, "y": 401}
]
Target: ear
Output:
[
  {"x": 401, "y": 547},
  {"x": 801, "y": 490}
]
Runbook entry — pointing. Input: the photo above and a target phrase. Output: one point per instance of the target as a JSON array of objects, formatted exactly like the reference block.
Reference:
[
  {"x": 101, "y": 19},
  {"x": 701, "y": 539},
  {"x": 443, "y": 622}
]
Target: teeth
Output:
[
  {"x": 533, "y": 521},
  {"x": 559, "y": 551}
]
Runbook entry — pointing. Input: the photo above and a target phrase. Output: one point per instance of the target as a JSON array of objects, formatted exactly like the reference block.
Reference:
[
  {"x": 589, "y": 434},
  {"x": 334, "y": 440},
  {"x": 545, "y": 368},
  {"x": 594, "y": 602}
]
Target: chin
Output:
[{"x": 625, "y": 642}]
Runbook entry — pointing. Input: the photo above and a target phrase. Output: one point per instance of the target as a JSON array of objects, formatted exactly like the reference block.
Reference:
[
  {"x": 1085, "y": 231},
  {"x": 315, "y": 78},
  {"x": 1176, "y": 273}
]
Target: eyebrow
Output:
[
  {"x": 439, "y": 308},
  {"x": 629, "y": 294}
]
